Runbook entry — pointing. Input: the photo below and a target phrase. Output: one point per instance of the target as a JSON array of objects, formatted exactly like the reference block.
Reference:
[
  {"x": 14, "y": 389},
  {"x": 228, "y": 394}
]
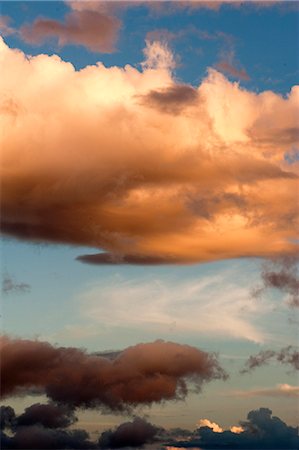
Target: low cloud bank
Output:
[{"x": 260, "y": 431}]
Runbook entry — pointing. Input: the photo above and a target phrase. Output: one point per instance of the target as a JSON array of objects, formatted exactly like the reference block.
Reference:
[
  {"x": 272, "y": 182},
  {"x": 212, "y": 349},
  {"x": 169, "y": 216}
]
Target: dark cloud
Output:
[
  {"x": 139, "y": 375},
  {"x": 41, "y": 427},
  {"x": 92, "y": 29},
  {"x": 129, "y": 434},
  {"x": 112, "y": 259},
  {"x": 171, "y": 100},
  {"x": 49, "y": 416},
  {"x": 281, "y": 274},
  {"x": 7, "y": 417},
  {"x": 260, "y": 431},
  {"x": 288, "y": 355},
  {"x": 9, "y": 285},
  {"x": 39, "y": 437}
]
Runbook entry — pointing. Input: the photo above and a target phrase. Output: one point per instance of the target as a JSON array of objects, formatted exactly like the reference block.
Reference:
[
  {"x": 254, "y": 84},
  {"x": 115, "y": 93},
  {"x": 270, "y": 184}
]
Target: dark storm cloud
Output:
[
  {"x": 129, "y": 434},
  {"x": 10, "y": 286},
  {"x": 139, "y": 375},
  {"x": 281, "y": 274},
  {"x": 261, "y": 431},
  {"x": 288, "y": 355}
]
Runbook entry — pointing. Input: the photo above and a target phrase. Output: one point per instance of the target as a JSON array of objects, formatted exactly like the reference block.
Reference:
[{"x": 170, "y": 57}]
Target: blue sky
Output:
[{"x": 206, "y": 301}]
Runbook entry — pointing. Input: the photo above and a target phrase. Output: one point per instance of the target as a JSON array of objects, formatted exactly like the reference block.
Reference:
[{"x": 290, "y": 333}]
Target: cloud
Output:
[
  {"x": 44, "y": 426},
  {"x": 288, "y": 355},
  {"x": 5, "y": 29},
  {"x": 281, "y": 390},
  {"x": 7, "y": 417},
  {"x": 158, "y": 56},
  {"x": 90, "y": 28},
  {"x": 49, "y": 416},
  {"x": 94, "y": 165},
  {"x": 139, "y": 375},
  {"x": 183, "y": 306},
  {"x": 229, "y": 68},
  {"x": 10, "y": 286},
  {"x": 171, "y": 100},
  {"x": 213, "y": 425},
  {"x": 281, "y": 274},
  {"x": 261, "y": 430},
  {"x": 129, "y": 434},
  {"x": 41, "y": 427},
  {"x": 114, "y": 259}
]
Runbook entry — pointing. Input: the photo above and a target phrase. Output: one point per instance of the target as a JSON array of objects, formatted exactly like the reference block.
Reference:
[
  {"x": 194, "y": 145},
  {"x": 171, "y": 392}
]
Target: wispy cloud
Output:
[
  {"x": 287, "y": 356},
  {"x": 280, "y": 274},
  {"x": 281, "y": 390},
  {"x": 9, "y": 285},
  {"x": 213, "y": 305}
]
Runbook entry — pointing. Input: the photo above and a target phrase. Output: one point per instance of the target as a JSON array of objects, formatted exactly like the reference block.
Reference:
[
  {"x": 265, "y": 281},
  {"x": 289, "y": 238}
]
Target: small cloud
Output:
[
  {"x": 236, "y": 430},
  {"x": 94, "y": 30},
  {"x": 281, "y": 390},
  {"x": 115, "y": 259},
  {"x": 5, "y": 28},
  {"x": 213, "y": 425},
  {"x": 280, "y": 274},
  {"x": 230, "y": 69},
  {"x": 158, "y": 56},
  {"x": 171, "y": 100},
  {"x": 288, "y": 355},
  {"x": 11, "y": 286}
]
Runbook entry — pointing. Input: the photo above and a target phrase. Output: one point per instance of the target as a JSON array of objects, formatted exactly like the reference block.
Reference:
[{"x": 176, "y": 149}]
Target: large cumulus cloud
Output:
[
  {"x": 139, "y": 375},
  {"x": 142, "y": 166}
]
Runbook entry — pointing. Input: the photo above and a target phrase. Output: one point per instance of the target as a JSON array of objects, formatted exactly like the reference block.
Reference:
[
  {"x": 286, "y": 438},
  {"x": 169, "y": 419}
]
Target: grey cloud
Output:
[
  {"x": 288, "y": 355},
  {"x": 171, "y": 100},
  {"x": 261, "y": 431},
  {"x": 9, "y": 285}
]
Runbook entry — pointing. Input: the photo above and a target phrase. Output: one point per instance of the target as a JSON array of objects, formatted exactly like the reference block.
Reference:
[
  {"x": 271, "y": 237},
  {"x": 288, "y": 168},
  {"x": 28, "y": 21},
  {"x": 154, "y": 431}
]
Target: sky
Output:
[{"x": 149, "y": 209}]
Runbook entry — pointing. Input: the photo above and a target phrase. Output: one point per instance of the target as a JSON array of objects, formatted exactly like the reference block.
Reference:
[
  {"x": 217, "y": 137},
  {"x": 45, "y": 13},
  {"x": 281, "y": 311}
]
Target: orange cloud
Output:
[
  {"x": 131, "y": 162},
  {"x": 213, "y": 425}
]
